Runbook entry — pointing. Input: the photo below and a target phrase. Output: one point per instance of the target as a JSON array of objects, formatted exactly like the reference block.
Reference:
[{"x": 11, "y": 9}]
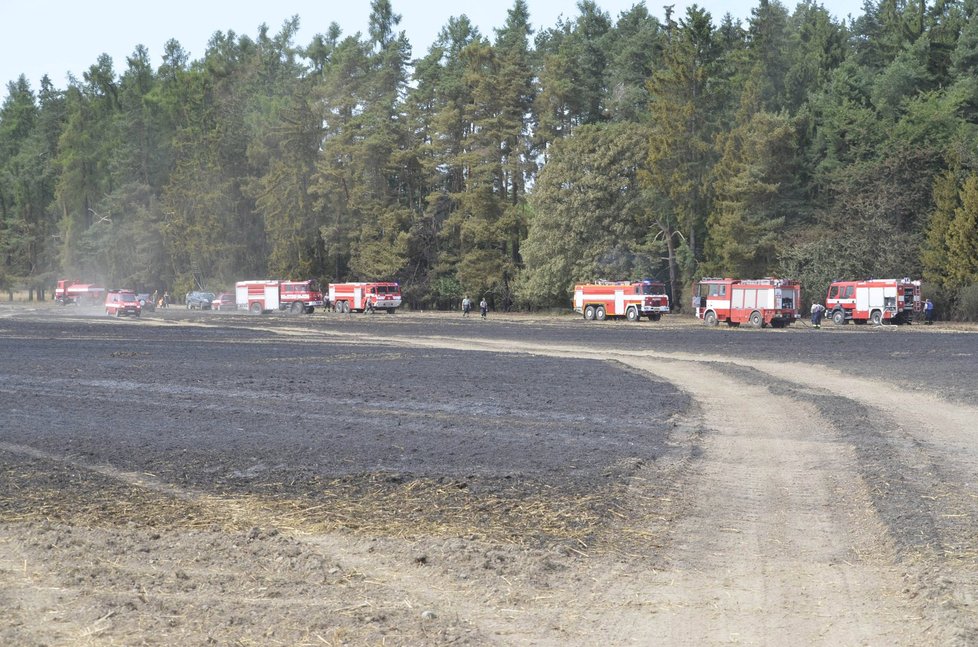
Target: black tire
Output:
[
  {"x": 756, "y": 319},
  {"x": 297, "y": 307},
  {"x": 710, "y": 318},
  {"x": 655, "y": 316},
  {"x": 391, "y": 311},
  {"x": 632, "y": 314},
  {"x": 839, "y": 317},
  {"x": 600, "y": 314},
  {"x": 876, "y": 317},
  {"x": 589, "y": 313},
  {"x": 255, "y": 308}
]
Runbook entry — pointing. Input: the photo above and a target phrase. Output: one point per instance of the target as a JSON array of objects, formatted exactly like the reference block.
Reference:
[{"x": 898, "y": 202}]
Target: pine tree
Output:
[
  {"x": 962, "y": 238},
  {"x": 934, "y": 253}
]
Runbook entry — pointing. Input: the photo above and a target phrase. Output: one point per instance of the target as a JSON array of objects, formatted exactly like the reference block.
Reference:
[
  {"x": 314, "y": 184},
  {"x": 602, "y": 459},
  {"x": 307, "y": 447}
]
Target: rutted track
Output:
[{"x": 768, "y": 501}]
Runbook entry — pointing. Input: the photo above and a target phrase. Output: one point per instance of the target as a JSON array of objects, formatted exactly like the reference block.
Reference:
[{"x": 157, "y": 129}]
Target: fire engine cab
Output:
[
  {"x": 629, "y": 299},
  {"x": 364, "y": 296},
  {"x": 759, "y": 302},
  {"x": 266, "y": 295},
  {"x": 71, "y": 291},
  {"x": 876, "y": 300}
]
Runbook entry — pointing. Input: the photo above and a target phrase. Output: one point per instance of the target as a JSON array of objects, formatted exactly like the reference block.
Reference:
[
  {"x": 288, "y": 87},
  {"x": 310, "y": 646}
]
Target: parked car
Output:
[
  {"x": 224, "y": 301},
  {"x": 199, "y": 300},
  {"x": 121, "y": 302},
  {"x": 146, "y": 302}
]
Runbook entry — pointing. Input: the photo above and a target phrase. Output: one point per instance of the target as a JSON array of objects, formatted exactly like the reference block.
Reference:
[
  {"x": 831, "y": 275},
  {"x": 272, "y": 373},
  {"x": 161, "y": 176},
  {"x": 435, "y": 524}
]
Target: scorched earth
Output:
[{"x": 423, "y": 479}]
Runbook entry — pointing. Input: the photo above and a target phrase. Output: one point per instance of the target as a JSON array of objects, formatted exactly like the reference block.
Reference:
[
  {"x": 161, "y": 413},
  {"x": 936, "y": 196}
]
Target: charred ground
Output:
[{"x": 231, "y": 451}]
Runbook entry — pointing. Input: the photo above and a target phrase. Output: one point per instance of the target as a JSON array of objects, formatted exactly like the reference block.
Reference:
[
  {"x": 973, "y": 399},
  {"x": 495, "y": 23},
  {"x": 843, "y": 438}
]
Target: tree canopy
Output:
[{"x": 510, "y": 164}]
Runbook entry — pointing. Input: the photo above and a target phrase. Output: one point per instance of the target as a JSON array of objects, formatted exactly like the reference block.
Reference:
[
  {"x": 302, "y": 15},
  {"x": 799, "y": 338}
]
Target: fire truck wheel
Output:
[
  {"x": 756, "y": 319},
  {"x": 710, "y": 318},
  {"x": 655, "y": 316},
  {"x": 589, "y": 313},
  {"x": 599, "y": 313},
  {"x": 391, "y": 311},
  {"x": 839, "y": 318},
  {"x": 255, "y": 308},
  {"x": 297, "y": 308},
  {"x": 632, "y": 314},
  {"x": 876, "y": 317}
]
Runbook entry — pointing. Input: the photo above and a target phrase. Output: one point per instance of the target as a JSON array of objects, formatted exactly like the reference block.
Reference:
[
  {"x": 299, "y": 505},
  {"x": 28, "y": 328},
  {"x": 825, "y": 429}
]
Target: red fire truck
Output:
[
  {"x": 364, "y": 296},
  {"x": 71, "y": 291},
  {"x": 629, "y": 299},
  {"x": 759, "y": 302},
  {"x": 876, "y": 300},
  {"x": 267, "y": 295}
]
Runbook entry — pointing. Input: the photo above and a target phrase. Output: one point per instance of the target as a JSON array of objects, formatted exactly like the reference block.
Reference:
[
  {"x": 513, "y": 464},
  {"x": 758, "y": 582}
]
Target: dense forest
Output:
[{"x": 791, "y": 144}]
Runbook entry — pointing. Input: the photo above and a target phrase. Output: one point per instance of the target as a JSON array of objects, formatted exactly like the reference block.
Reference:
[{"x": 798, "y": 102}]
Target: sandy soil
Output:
[{"x": 201, "y": 478}]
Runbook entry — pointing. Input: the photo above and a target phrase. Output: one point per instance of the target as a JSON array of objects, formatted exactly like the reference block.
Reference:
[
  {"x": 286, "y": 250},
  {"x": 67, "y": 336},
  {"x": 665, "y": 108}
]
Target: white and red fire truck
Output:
[
  {"x": 364, "y": 296},
  {"x": 268, "y": 295},
  {"x": 71, "y": 291},
  {"x": 629, "y": 299},
  {"x": 875, "y": 300},
  {"x": 759, "y": 302}
]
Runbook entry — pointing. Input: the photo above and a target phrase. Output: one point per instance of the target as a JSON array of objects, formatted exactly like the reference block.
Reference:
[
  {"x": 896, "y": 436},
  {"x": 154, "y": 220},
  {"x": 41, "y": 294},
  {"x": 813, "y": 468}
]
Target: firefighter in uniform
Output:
[
  {"x": 817, "y": 310},
  {"x": 928, "y": 312}
]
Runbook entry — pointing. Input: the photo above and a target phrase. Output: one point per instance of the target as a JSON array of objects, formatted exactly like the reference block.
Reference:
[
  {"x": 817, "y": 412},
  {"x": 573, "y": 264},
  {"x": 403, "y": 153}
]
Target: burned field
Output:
[
  {"x": 372, "y": 435},
  {"x": 210, "y": 478}
]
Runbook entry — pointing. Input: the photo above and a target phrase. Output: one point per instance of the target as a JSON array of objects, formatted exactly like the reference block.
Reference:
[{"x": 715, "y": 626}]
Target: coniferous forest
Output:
[{"x": 511, "y": 165}]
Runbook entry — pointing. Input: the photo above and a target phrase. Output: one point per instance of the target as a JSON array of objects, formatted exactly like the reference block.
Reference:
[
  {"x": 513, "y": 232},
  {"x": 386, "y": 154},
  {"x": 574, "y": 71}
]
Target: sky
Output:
[{"x": 54, "y": 38}]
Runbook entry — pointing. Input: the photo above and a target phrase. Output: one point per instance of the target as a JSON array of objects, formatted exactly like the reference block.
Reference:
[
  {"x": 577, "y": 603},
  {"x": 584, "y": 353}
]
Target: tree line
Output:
[{"x": 792, "y": 143}]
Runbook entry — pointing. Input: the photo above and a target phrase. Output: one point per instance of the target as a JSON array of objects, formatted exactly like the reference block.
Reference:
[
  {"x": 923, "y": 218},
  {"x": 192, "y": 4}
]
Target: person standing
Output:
[
  {"x": 483, "y": 308},
  {"x": 466, "y": 306},
  {"x": 166, "y": 298},
  {"x": 928, "y": 312},
  {"x": 817, "y": 311}
]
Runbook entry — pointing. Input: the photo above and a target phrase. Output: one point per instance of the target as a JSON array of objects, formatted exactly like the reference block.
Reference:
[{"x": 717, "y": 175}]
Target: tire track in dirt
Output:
[
  {"x": 782, "y": 531},
  {"x": 775, "y": 535},
  {"x": 783, "y": 536}
]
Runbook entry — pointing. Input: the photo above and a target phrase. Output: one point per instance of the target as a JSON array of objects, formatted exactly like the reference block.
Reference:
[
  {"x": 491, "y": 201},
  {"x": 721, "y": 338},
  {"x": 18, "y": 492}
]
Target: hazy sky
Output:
[{"x": 54, "y": 38}]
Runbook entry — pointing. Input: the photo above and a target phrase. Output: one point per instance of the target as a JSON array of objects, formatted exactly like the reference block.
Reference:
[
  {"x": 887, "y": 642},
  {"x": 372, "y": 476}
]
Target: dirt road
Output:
[{"x": 511, "y": 482}]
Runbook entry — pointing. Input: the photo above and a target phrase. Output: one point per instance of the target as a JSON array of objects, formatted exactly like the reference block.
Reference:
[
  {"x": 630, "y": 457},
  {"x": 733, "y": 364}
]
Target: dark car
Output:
[
  {"x": 121, "y": 302},
  {"x": 199, "y": 300},
  {"x": 224, "y": 301},
  {"x": 146, "y": 302}
]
